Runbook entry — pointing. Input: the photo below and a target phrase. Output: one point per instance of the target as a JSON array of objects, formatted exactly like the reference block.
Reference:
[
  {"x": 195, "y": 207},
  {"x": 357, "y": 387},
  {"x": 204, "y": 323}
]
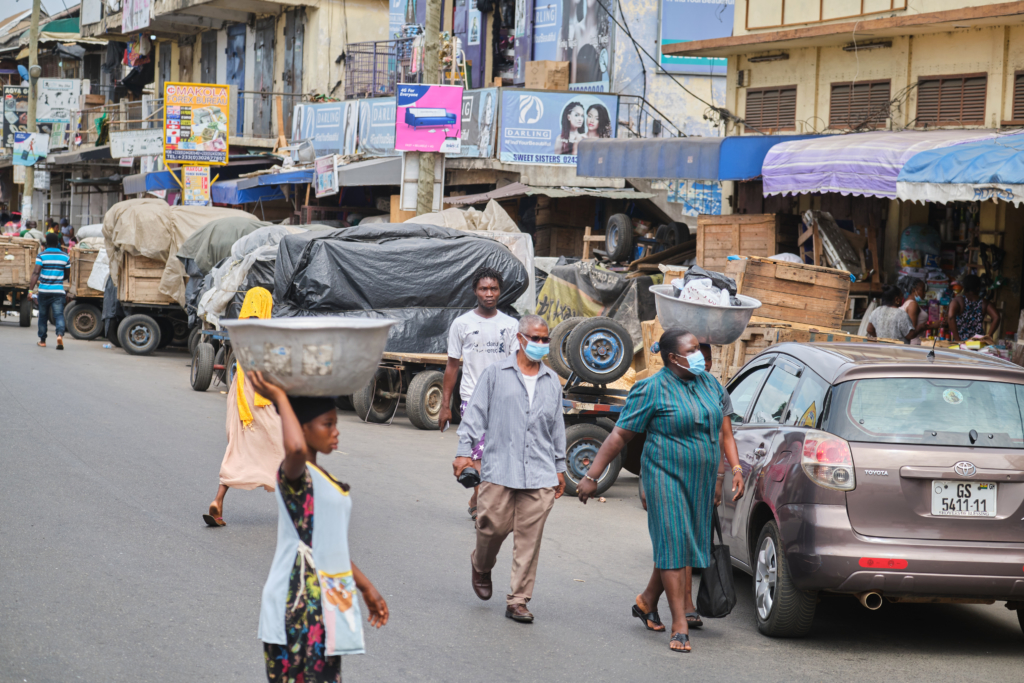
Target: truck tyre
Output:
[
  {"x": 113, "y": 325},
  {"x": 781, "y": 610},
  {"x": 599, "y": 350},
  {"x": 344, "y": 403},
  {"x": 202, "y": 367},
  {"x": 557, "y": 358},
  {"x": 25, "y": 311},
  {"x": 423, "y": 399},
  {"x": 619, "y": 237},
  {"x": 180, "y": 333},
  {"x": 166, "y": 332},
  {"x": 582, "y": 441},
  {"x": 378, "y": 400},
  {"x": 139, "y": 334},
  {"x": 84, "y": 321}
]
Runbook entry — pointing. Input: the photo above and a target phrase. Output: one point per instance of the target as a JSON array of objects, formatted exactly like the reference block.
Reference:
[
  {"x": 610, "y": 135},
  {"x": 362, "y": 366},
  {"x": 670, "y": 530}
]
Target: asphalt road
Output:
[{"x": 107, "y": 572}]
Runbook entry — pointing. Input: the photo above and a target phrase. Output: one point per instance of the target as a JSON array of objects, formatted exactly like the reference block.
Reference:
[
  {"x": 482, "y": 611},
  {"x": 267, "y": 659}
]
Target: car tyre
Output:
[
  {"x": 557, "y": 358},
  {"x": 424, "y": 398},
  {"x": 599, "y": 350},
  {"x": 83, "y": 321},
  {"x": 25, "y": 311},
  {"x": 582, "y": 441},
  {"x": 139, "y": 334},
  {"x": 619, "y": 237},
  {"x": 371, "y": 404},
  {"x": 202, "y": 366},
  {"x": 780, "y": 608}
]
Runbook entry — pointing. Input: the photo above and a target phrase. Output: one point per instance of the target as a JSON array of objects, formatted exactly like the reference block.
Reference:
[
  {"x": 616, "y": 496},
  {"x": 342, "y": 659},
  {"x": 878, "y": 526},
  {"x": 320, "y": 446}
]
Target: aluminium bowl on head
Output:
[
  {"x": 710, "y": 324},
  {"x": 315, "y": 356}
]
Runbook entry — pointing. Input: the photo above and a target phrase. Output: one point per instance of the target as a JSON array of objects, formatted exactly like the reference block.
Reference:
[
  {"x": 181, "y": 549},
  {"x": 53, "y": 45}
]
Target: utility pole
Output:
[
  {"x": 33, "y": 74},
  {"x": 431, "y": 71}
]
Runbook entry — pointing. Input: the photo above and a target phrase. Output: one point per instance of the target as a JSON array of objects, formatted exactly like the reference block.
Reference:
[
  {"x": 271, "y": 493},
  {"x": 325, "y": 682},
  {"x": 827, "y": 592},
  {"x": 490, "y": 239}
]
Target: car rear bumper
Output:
[{"x": 824, "y": 553}]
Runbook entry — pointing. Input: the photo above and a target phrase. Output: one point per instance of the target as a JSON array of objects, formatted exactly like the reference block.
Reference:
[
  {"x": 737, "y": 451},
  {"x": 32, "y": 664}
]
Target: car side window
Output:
[
  {"x": 808, "y": 401},
  {"x": 774, "y": 398},
  {"x": 742, "y": 392}
]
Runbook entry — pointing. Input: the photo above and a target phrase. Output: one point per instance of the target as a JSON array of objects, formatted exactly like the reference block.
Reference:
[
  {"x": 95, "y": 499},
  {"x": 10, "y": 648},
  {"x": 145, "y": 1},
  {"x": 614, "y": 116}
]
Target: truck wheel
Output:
[
  {"x": 139, "y": 334},
  {"x": 25, "y": 311},
  {"x": 599, "y": 350},
  {"x": 423, "y": 399},
  {"x": 781, "y": 610},
  {"x": 180, "y": 333},
  {"x": 619, "y": 237},
  {"x": 84, "y": 321},
  {"x": 166, "y": 332},
  {"x": 377, "y": 401},
  {"x": 582, "y": 441},
  {"x": 202, "y": 367},
  {"x": 113, "y": 325},
  {"x": 558, "y": 359},
  {"x": 344, "y": 403}
]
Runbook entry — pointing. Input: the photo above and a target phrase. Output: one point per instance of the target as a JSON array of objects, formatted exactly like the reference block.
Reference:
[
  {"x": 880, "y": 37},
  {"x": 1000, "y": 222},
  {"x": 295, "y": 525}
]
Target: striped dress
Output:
[{"x": 682, "y": 419}]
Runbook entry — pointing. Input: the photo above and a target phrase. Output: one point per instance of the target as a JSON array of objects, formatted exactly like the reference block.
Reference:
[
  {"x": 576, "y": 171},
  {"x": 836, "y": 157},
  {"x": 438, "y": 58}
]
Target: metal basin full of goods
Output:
[
  {"x": 321, "y": 356},
  {"x": 710, "y": 324}
]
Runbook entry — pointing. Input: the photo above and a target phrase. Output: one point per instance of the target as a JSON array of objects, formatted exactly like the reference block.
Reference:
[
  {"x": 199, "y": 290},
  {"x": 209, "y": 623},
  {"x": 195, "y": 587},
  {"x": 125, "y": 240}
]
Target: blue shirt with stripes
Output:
[{"x": 54, "y": 263}]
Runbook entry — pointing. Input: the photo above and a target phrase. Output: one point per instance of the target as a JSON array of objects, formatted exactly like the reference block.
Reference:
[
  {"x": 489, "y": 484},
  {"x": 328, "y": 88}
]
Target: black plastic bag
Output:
[
  {"x": 717, "y": 595},
  {"x": 717, "y": 279}
]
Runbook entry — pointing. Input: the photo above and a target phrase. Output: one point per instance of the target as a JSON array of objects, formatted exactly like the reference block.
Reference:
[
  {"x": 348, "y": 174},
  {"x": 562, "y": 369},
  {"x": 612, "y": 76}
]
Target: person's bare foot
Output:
[
  {"x": 41, "y": 343},
  {"x": 60, "y": 342}
]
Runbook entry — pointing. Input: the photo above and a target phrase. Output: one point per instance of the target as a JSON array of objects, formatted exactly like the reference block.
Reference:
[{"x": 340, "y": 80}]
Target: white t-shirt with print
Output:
[{"x": 480, "y": 342}]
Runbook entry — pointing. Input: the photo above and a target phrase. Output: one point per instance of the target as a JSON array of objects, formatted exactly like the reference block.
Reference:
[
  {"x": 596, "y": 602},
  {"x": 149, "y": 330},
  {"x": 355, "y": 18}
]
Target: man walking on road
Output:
[
  {"x": 480, "y": 338},
  {"x": 52, "y": 267},
  {"x": 518, "y": 404}
]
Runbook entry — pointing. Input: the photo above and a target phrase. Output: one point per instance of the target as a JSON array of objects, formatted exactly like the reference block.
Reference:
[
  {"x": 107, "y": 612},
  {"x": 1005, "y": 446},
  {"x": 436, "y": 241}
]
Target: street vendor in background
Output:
[
  {"x": 967, "y": 312},
  {"x": 916, "y": 307},
  {"x": 889, "y": 321},
  {"x": 481, "y": 338}
]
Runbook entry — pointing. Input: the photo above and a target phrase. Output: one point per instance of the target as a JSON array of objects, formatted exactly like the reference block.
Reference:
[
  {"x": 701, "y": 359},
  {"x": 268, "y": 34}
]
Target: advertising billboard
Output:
[
  {"x": 30, "y": 148},
  {"x": 543, "y": 127},
  {"x": 196, "y": 182},
  {"x": 196, "y": 119},
  {"x": 428, "y": 118},
  {"x": 377, "y": 127},
  {"x": 479, "y": 123},
  {"x": 684, "y": 20},
  {"x": 135, "y": 15},
  {"x": 15, "y": 112},
  {"x": 332, "y": 126},
  {"x": 325, "y": 175},
  {"x": 578, "y": 32}
]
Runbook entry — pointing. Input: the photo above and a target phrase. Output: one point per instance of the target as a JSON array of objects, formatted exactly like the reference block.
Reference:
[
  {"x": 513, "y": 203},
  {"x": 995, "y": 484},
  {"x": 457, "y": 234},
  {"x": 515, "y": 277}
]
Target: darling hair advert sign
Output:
[
  {"x": 543, "y": 127},
  {"x": 428, "y": 118}
]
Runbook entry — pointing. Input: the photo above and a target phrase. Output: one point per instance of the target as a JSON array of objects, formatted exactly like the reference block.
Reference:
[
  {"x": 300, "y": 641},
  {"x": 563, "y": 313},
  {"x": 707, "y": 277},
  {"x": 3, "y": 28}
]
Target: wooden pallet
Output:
[{"x": 719, "y": 237}]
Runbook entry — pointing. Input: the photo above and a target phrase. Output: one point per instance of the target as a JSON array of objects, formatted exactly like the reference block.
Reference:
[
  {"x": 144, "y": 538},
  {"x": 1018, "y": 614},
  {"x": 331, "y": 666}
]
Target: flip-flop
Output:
[
  {"x": 679, "y": 638},
  {"x": 213, "y": 518},
  {"x": 648, "y": 618},
  {"x": 693, "y": 620},
  {"x": 472, "y": 512}
]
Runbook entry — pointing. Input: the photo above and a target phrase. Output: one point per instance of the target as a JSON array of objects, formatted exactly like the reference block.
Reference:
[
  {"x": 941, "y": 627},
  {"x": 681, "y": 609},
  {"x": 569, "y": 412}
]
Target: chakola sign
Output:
[
  {"x": 543, "y": 127},
  {"x": 196, "y": 123},
  {"x": 428, "y": 118}
]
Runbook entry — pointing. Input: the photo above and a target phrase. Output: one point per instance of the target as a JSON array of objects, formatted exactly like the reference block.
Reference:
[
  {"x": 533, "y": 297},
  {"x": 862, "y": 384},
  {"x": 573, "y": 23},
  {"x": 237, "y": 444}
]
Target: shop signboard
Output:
[
  {"x": 544, "y": 127},
  {"x": 325, "y": 175},
  {"x": 479, "y": 116},
  {"x": 15, "y": 112},
  {"x": 196, "y": 183},
  {"x": 332, "y": 126},
  {"x": 377, "y": 127},
  {"x": 428, "y": 118},
  {"x": 134, "y": 143},
  {"x": 135, "y": 15},
  {"x": 30, "y": 148},
  {"x": 57, "y": 99},
  {"x": 196, "y": 119},
  {"x": 684, "y": 20},
  {"x": 578, "y": 32}
]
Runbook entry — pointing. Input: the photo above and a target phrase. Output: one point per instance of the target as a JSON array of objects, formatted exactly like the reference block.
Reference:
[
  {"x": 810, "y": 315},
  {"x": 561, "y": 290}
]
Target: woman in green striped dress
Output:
[{"x": 682, "y": 410}]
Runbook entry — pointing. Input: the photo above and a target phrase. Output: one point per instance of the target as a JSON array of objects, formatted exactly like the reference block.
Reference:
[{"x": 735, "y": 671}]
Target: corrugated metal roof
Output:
[{"x": 514, "y": 190}]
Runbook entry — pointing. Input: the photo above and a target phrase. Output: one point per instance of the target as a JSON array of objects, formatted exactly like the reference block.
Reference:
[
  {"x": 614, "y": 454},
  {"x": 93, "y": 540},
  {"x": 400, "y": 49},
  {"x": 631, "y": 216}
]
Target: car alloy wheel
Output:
[{"x": 765, "y": 578}]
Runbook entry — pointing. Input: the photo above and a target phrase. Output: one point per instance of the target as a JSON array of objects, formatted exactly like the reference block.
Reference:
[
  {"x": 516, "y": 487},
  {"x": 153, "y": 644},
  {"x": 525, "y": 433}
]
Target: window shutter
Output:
[
  {"x": 952, "y": 100},
  {"x": 859, "y": 104},
  {"x": 771, "y": 108},
  {"x": 1018, "y": 97}
]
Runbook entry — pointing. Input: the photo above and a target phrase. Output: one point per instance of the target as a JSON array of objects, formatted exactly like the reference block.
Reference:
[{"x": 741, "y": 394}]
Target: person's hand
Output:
[
  {"x": 718, "y": 490},
  {"x": 444, "y": 417},
  {"x": 462, "y": 463},
  {"x": 266, "y": 388},
  {"x": 737, "y": 485},
  {"x": 375, "y": 605},
  {"x": 560, "y": 489},
  {"x": 585, "y": 489}
]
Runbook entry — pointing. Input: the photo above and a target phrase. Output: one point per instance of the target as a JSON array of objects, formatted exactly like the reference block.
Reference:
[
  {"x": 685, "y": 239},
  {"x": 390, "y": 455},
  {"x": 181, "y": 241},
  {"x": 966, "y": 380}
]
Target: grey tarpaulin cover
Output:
[
  {"x": 419, "y": 275},
  {"x": 212, "y": 242}
]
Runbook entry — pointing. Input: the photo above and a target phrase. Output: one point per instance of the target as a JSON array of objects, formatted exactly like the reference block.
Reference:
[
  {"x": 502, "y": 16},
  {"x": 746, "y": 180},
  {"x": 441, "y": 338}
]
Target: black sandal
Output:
[
  {"x": 683, "y": 638},
  {"x": 651, "y": 617},
  {"x": 695, "y": 622}
]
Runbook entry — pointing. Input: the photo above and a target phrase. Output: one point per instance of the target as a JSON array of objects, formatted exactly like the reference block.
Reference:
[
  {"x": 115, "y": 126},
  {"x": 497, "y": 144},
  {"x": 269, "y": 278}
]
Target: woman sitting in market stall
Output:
[
  {"x": 889, "y": 321},
  {"x": 968, "y": 310},
  {"x": 916, "y": 307}
]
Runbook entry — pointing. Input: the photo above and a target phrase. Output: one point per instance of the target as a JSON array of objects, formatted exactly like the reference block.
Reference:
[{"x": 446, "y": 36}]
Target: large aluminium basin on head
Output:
[
  {"x": 317, "y": 356},
  {"x": 710, "y": 324}
]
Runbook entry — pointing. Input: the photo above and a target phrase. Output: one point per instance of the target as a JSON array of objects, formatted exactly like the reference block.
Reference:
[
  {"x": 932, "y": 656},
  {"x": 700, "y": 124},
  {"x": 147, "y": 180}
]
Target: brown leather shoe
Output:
[
  {"x": 519, "y": 613},
  {"x": 481, "y": 583}
]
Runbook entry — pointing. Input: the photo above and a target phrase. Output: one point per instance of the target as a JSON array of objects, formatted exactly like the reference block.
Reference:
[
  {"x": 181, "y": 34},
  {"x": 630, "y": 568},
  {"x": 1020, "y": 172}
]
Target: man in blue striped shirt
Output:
[{"x": 52, "y": 267}]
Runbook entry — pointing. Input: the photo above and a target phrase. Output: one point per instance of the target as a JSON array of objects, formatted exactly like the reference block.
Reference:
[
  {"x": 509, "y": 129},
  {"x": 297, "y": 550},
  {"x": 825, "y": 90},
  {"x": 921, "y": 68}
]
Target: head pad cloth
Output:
[{"x": 258, "y": 303}]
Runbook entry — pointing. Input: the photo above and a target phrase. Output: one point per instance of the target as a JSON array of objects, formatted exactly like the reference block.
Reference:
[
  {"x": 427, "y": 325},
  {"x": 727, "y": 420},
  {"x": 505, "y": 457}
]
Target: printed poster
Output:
[
  {"x": 196, "y": 182},
  {"x": 57, "y": 99},
  {"x": 475, "y": 20},
  {"x": 135, "y": 15},
  {"x": 135, "y": 143},
  {"x": 578, "y": 32},
  {"x": 684, "y": 20},
  {"x": 15, "y": 112},
  {"x": 479, "y": 119},
  {"x": 544, "y": 127},
  {"x": 377, "y": 127},
  {"x": 428, "y": 118},
  {"x": 698, "y": 197},
  {"x": 30, "y": 148},
  {"x": 196, "y": 123},
  {"x": 333, "y": 126},
  {"x": 325, "y": 175}
]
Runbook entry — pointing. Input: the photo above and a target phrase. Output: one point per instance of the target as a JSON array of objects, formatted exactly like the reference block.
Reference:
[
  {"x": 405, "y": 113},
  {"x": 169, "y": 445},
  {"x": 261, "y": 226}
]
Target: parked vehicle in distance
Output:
[{"x": 880, "y": 471}]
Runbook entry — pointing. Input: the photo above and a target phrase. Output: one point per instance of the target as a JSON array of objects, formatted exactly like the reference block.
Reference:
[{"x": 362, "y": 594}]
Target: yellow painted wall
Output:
[{"x": 331, "y": 25}]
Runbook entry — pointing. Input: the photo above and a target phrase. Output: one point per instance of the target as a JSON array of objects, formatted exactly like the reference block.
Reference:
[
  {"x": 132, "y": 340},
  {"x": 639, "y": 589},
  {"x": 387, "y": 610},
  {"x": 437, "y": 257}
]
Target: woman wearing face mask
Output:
[
  {"x": 682, "y": 410},
  {"x": 917, "y": 310}
]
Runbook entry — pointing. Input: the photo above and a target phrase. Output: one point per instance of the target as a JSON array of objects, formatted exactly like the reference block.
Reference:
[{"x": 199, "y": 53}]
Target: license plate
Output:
[{"x": 963, "y": 498}]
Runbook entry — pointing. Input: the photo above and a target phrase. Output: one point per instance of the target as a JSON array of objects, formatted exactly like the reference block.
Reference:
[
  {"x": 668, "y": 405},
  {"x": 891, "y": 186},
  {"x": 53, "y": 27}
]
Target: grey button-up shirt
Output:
[{"x": 525, "y": 445}]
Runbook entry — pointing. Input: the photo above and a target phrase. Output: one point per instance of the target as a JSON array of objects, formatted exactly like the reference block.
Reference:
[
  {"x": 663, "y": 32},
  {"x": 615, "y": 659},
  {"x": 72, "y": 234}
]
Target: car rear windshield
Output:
[{"x": 937, "y": 412}]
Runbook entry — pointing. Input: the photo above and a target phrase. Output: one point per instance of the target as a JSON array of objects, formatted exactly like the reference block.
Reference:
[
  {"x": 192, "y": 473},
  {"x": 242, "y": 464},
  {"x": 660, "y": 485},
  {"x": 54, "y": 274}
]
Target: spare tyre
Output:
[
  {"x": 619, "y": 237},
  {"x": 599, "y": 350},
  {"x": 557, "y": 357},
  {"x": 582, "y": 442}
]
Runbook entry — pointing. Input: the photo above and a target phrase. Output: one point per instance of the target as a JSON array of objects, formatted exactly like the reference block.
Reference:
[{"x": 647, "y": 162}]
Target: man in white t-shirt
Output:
[{"x": 481, "y": 338}]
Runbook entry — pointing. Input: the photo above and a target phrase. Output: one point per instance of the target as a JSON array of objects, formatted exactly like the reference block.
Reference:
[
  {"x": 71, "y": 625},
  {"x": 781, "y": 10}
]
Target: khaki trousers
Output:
[{"x": 522, "y": 512}]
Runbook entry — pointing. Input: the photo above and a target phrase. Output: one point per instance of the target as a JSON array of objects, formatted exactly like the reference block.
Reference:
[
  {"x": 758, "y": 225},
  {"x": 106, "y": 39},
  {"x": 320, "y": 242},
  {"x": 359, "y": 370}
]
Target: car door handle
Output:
[{"x": 760, "y": 451}]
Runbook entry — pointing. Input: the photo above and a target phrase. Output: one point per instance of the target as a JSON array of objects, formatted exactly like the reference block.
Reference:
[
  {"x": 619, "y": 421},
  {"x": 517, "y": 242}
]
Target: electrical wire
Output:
[{"x": 643, "y": 68}]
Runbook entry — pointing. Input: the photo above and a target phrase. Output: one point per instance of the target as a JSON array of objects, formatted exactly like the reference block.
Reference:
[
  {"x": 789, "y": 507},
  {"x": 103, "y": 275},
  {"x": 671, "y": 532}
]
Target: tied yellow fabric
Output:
[{"x": 258, "y": 303}]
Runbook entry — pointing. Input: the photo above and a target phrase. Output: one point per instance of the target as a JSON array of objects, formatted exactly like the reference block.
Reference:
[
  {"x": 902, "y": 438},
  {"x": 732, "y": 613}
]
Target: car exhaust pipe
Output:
[{"x": 870, "y": 599}]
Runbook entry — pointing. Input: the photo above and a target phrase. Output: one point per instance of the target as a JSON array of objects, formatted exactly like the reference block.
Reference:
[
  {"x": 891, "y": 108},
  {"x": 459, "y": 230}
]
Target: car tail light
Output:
[
  {"x": 827, "y": 460},
  {"x": 882, "y": 563}
]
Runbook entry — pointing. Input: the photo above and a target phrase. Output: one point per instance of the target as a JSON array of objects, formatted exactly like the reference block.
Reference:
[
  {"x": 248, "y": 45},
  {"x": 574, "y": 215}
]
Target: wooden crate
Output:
[
  {"x": 793, "y": 292},
  {"x": 761, "y": 234},
  {"x": 558, "y": 242},
  {"x": 17, "y": 261},
  {"x": 576, "y": 212},
  {"x": 82, "y": 261},
  {"x": 138, "y": 281}
]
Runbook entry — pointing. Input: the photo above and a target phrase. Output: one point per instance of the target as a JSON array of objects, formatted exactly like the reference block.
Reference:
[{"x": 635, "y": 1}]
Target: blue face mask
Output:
[
  {"x": 535, "y": 351},
  {"x": 920, "y": 300},
  {"x": 696, "y": 361}
]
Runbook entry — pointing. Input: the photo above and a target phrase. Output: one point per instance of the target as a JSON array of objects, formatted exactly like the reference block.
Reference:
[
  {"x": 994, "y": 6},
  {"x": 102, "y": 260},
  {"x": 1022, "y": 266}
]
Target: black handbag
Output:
[{"x": 717, "y": 594}]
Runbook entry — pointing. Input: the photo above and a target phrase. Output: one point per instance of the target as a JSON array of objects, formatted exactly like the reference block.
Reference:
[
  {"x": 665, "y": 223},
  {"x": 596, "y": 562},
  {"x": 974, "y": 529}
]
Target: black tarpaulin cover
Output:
[{"x": 419, "y": 275}]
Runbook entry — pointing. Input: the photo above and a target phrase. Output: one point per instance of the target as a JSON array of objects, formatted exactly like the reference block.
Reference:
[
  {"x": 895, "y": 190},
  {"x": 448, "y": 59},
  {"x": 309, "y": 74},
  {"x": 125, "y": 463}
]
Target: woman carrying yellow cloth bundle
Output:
[{"x": 255, "y": 447}]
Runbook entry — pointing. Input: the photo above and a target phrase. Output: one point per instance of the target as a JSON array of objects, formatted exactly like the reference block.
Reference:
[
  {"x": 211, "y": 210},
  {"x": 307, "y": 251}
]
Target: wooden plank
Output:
[
  {"x": 785, "y": 272},
  {"x": 753, "y": 282},
  {"x": 651, "y": 331},
  {"x": 426, "y": 358}
]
